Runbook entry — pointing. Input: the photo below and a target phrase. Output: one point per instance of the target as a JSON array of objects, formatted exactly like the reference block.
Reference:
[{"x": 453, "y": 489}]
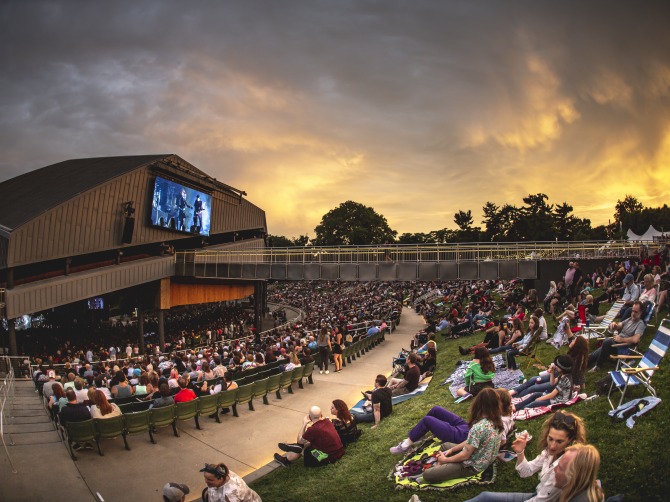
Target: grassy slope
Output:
[{"x": 634, "y": 460}]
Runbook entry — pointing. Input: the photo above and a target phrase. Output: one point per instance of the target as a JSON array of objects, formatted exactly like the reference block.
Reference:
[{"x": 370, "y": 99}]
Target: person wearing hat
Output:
[
  {"x": 174, "y": 492},
  {"x": 631, "y": 293},
  {"x": 560, "y": 372},
  {"x": 630, "y": 332},
  {"x": 223, "y": 485}
]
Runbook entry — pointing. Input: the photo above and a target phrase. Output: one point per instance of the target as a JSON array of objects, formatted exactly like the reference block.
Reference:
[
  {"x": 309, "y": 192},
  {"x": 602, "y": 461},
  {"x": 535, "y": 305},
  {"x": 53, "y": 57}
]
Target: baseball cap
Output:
[
  {"x": 628, "y": 278},
  {"x": 174, "y": 491}
]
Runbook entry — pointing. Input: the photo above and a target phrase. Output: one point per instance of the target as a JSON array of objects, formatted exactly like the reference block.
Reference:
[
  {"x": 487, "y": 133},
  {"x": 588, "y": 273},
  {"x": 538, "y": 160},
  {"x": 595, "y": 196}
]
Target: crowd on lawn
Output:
[
  {"x": 567, "y": 465},
  {"x": 88, "y": 383}
]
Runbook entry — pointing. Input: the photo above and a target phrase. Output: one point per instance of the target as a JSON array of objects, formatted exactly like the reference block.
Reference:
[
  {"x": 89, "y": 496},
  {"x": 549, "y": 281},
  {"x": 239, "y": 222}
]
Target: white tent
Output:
[{"x": 647, "y": 236}]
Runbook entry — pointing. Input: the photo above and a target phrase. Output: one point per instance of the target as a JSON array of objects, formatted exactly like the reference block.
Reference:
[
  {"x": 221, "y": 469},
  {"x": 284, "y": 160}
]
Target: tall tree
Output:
[
  {"x": 464, "y": 220},
  {"x": 352, "y": 223},
  {"x": 492, "y": 221}
]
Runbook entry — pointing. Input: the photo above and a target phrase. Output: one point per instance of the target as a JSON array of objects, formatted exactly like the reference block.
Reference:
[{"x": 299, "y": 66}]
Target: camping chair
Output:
[
  {"x": 627, "y": 375},
  {"x": 561, "y": 336},
  {"x": 531, "y": 351}
]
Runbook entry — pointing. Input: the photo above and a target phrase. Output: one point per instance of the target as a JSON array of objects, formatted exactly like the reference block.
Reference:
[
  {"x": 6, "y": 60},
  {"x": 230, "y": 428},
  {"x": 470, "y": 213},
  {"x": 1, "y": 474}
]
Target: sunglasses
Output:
[{"x": 566, "y": 421}]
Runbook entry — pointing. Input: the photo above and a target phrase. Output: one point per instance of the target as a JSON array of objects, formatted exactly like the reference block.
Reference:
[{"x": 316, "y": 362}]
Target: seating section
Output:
[{"x": 138, "y": 417}]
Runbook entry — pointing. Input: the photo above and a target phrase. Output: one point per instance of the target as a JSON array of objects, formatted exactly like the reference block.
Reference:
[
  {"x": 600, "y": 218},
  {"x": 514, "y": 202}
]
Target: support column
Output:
[
  {"x": 161, "y": 330},
  {"x": 258, "y": 311},
  {"x": 12, "y": 338},
  {"x": 140, "y": 330}
]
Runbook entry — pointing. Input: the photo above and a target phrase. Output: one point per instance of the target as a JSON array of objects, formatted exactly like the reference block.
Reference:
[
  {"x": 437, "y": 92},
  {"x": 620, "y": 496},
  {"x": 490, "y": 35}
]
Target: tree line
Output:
[{"x": 352, "y": 223}]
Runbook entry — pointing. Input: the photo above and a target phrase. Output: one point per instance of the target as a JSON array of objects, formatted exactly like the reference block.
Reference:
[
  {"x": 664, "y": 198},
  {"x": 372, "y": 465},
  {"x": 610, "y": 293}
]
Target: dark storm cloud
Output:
[{"x": 307, "y": 104}]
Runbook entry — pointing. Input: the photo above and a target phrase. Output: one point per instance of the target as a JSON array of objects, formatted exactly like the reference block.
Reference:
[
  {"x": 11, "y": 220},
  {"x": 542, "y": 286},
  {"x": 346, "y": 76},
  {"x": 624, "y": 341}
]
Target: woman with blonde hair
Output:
[
  {"x": 561, "y": 430},
  {"x": 577, "y": 474}
]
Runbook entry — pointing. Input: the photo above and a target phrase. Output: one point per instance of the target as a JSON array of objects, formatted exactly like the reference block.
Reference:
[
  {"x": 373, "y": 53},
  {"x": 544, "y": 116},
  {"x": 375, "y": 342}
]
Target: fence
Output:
[
  {"x": 469, "y": 252},
  {"x": 6, "y": 388}
]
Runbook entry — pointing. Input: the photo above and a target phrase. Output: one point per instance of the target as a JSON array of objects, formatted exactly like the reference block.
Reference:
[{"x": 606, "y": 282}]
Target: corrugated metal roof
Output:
[{"x": 29, "y": 195}]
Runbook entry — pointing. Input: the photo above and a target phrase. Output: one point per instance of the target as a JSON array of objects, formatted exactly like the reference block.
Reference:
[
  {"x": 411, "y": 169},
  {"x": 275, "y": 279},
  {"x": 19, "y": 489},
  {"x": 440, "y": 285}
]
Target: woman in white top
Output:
[
  {"x": 103, "y": 408},
  {"x": 561, "y": 430}
]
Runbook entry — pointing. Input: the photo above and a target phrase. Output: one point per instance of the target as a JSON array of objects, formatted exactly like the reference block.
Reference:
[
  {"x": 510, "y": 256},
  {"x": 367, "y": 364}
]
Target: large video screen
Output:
[{"x": 180, "y": 208}]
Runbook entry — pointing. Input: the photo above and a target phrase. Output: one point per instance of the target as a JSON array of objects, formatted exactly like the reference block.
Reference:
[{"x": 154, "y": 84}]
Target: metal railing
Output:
[
  {"x": 6, "y": 388},
  {"x": 461, "y": 252}
]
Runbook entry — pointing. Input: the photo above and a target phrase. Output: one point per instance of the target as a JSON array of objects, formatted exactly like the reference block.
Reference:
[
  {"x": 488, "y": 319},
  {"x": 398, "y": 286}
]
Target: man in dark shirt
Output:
[
  {"x": 411, "y": 379},
  {"x": 318, "y": 441},
  {"x": 381, "y": 404},
  {"x": 73, "y": 411}
]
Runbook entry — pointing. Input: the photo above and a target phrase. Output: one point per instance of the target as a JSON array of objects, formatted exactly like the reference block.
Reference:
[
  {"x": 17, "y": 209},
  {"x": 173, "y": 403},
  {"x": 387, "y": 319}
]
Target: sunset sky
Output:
[{"x": 416, "y": 108}]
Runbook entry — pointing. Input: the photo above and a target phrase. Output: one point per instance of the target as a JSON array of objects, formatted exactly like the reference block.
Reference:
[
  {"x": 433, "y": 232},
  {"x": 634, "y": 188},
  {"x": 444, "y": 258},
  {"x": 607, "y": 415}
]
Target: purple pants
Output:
[{"x": 445, "y": 425}]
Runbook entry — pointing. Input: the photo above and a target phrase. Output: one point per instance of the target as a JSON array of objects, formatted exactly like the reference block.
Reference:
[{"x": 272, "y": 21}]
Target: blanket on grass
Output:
[
  {"x": 423, "y": 385},
  {"x": 503, "y": 378},
  {"x": 530, "y": 413},
  {"x": 417, "y": 460}
]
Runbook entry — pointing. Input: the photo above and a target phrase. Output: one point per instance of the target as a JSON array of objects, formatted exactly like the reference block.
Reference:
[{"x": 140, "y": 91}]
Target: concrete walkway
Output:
[{"x": 246, "y": 444}]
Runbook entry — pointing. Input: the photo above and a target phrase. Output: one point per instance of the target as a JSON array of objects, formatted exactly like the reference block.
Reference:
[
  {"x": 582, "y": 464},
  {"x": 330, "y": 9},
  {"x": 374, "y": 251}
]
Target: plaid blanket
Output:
[
  {"x": 503, "y": 378},
  {"x": 530, "y": 413}
]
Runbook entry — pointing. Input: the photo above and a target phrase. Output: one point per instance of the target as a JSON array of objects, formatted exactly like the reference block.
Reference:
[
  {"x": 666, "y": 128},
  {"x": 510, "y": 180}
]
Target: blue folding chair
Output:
[{"x": 626, "y": 375}]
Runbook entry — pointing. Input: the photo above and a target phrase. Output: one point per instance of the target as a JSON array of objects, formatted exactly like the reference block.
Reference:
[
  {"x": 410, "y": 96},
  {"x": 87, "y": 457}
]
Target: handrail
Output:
[
  {"x": 394, "y": 253},
  {"x": 6, "y": 387}
]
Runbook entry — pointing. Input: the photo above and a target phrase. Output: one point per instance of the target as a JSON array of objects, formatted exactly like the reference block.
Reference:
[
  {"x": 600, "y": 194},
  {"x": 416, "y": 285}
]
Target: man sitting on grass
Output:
[
  {"x": 412, "y": 377},
  {"x": 318, "y": 442}
]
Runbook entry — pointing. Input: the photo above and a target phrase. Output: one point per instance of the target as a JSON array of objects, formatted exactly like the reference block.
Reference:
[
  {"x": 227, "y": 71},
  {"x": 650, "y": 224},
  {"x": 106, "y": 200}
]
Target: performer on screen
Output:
[
  {"x": 197, "y": 214},
  {"x": 181, "y": 207}
]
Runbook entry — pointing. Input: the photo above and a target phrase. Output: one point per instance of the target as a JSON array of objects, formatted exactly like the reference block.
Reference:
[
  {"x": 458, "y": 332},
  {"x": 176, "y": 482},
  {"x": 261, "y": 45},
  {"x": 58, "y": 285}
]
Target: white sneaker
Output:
[
  {"x": 320, "y": 372},
  {"x": 327, "y": 372}
]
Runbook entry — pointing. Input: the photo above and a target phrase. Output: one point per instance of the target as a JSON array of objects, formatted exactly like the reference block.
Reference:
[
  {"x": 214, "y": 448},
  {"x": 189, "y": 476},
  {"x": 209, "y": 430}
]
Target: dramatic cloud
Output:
[{"x": 417, "y": 109}]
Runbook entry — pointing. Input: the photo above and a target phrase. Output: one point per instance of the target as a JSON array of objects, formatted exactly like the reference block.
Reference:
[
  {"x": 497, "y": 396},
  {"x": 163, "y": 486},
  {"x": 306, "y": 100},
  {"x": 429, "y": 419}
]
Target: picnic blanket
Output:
[
  {"x": 423, "y": 385},
  {"x": 503, "y": 378},
  {"x": 530, "y": 413},
  {"x": 417, "y": 460}
]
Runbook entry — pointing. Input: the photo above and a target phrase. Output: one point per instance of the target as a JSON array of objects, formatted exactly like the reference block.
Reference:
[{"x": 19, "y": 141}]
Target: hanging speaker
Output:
[{"x": 128, "y": 228}]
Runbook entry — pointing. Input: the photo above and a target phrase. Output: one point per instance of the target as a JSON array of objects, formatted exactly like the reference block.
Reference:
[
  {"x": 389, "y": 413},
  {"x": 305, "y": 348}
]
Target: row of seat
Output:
[{"x": 137, "y": 418}]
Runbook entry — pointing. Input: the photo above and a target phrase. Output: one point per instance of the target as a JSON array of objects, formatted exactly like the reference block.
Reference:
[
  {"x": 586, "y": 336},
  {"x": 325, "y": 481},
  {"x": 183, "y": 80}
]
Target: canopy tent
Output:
[{"x": 647, "y": 236}]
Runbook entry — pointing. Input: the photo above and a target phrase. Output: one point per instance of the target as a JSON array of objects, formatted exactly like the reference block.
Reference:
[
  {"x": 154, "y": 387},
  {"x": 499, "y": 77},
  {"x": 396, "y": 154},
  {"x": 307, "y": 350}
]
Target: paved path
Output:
[{"x": 246, "y": 444}]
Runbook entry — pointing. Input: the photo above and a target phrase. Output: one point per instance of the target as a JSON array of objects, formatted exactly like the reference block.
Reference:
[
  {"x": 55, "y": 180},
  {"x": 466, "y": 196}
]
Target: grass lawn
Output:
[{"x": 633, "y": 460}]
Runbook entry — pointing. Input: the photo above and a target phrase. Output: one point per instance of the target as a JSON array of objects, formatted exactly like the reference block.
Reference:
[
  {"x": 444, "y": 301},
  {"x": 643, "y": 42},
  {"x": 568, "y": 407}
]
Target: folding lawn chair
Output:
[{"x": 626, "y": 375}]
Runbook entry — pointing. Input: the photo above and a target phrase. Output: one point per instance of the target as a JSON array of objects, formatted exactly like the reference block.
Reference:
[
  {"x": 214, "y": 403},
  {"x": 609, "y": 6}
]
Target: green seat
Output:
[
  {"x": 285, "y": 380},
  {"x": 81, "y": 432},
  {"x": 138, "y": 422},
  {"x": 228, "y": 399},
  {"x": 346, "y": 356},
  {"x": 245, "y": 394},
  {"x": 187, "y": 411},
  {"x": 260, "y": 390},
  {"x": 111, "y": 428},
  {"x": 309, "y": 369},
  {"x": 297, "y": 378},
  {"x": 273, "y": 382},
  {"x": 163, "y": 416},
  {"x": 209, "y": 405}
]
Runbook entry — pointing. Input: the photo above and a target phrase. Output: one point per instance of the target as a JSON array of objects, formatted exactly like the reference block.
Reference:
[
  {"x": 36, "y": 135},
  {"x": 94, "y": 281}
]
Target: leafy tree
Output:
[
  {"x": 564, "y": 222},
  {"x": 352, "y": 223},
  {"x": 493, "y": 222},
  {"x": 416, "y": 238},
  {"x": 280, "y": 241},
  {"x": 464, "y": 220},
  {"x": 535, "y": 219}
]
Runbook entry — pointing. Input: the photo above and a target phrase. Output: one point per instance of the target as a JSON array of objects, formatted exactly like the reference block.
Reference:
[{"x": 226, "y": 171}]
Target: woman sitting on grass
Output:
[
  {"x": 344, "y": 423},
  {"x": 478, "y": 451},
  {"x": 559, "y": 432},
  {"x": 479, "y": 373},
  {"x": 560, "y": 378}
]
